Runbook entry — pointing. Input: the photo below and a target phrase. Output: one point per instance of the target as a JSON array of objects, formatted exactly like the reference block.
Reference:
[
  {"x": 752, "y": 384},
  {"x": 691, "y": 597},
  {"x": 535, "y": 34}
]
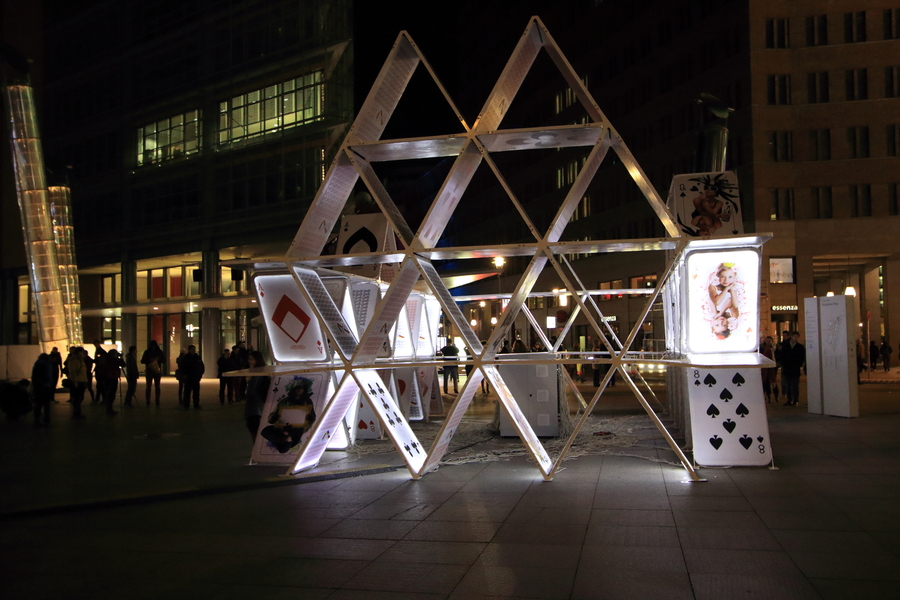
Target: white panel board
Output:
[{"x": 294, "y": 333}]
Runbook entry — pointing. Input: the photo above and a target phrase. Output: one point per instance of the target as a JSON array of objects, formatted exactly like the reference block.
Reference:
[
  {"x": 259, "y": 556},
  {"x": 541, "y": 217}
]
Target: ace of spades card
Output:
[
  {"x": 366, "y": 233},
  {"x": 728, "y": 417}
]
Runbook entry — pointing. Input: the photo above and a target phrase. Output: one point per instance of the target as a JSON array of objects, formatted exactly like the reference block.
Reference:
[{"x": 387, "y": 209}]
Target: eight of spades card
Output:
[{"x": 728, "y": 417}]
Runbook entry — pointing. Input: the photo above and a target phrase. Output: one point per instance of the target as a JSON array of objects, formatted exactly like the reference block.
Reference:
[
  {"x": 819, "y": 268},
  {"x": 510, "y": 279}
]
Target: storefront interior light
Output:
[
  {"x": 473, "y": 323},
  {"x": 829, "y": 294},
  {"x": 850, "y": 291}
]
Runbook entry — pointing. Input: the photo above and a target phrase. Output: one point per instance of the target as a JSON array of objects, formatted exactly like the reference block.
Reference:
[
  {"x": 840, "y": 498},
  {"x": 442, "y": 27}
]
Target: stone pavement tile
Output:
[
  {"x": 484, "y": 484},
  {"x": 709, "y": 586},
  {"x": 832, "y": 521},
  {"x": 739, "y": 562},
  {"x": 632, "y": 585},
  {"x": 889, "y": 539},
  {"x": 854, "y": 589},
  {"x": 884, "y": 521},
  {"x": 709, "y": 503},
  {"x": 460, "y": 473},
  {"x": 777, "y": 503},
  {"x": 407, "y": 577},
  {"x": 559, "y": 556},
  {"x": 381, "y": 482},
  {"x": 874, "y": 566},
  {"x": 283, "y": 571},
  {"x": 378, "y": 529},
  {"x": 568, "y": 497},
  {"x": 827, "y": 541},
  {"x": 542, "y": 515},
  {"x": 484, "y": 498},
  {"x": 612, "y": 559},
  {"x": 622, "y": 516},
  {"x": 631, "y": 535},
  {"x": 702, "y": 488},
  {"x": 658, "y": 501},
  {"x": 449, "y": 553},
  {"x": 333, "y": 548},
  {"x": 727, "y": 538},
  {"x": 471, "y": 511},
  {"x": 865, "y": 505},
  {"x": 374, "y": 595},
  {"x": 556, "y": 533},
  {"x": 717, "y": 518},
  {"x": 336, "y": 497},
  {"x": 412, "y": 494},
  {"x": 773, "y": 487},
  {"x": 453, "y": 531},
  {"x": 526, "y": 582},
  {"x": 404, "y": 511}
]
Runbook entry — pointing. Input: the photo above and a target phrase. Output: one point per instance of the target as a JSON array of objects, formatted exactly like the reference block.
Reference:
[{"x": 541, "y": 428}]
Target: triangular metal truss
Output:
[{"x": 357, "y": 361}]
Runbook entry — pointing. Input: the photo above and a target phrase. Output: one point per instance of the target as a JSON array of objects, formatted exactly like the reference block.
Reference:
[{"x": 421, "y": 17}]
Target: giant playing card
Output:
[{"x": 728, "y": 417}]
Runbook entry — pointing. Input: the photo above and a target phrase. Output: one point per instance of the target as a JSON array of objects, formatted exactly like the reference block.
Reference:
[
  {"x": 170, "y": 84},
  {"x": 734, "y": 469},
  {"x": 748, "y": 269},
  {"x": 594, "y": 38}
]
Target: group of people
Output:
[
  {"x": 875, "y": 352},
  {"x": 789, "y": 356},
  {"x": 82, "y": 369}
]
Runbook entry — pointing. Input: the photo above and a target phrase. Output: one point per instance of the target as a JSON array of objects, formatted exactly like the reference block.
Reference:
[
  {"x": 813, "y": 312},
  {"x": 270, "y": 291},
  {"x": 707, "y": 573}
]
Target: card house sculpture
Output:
[{"x": 358, "y": 352}]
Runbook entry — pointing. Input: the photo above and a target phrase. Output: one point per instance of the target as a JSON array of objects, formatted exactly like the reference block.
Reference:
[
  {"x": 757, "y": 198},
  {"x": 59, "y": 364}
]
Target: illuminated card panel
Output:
[
  {"x": 397, "y": 428},
  {"x": 722, "y": 301},
  {"x": 387, "y": 312},
  {"x": 451, "y": 423},
  {"x": 294, "y": 333},
  {"x": 448, "y": 303},
  {"x": 426, "y": 344},
  {"x": 519, "y": 421},
  {"x": 326, "y": 209},
  {"x": 454, "y": 186},
  {"x": 339, "y": 330},
  {"x": 282, "y": 419},
  {"x": 403, "y": 342},
  {"x": 325, "y": 426}
]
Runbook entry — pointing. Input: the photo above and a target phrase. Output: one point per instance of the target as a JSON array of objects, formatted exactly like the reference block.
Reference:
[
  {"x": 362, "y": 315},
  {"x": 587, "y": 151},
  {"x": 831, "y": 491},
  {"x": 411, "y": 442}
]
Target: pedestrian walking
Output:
[
  {"x": 223, "y": 365},
  {"x": 153, "y": 359},
  {"x": 76, "y": 372},
  {"x": 257, "y": 390},
  {"x": 885, "y": 352},
  {"x": 112, "y": 364},
  {"x": 192, "y": 369},
  {"x": 43, "y": 386},
  {"x": 132, "y": 373}
]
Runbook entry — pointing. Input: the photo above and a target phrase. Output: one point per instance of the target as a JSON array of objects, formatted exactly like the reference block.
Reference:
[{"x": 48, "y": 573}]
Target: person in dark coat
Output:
[
  {"x": 43, "y": 385},
  {"x": 153, "y": 360},
  {"x": 57, "y": 360},
  {"x": 99, "y": 371},
  {"x": 873, "y": 355},
  {"x": 257, "y": 390},
  {"x": 112, "y": 364},
  {"x": 132, "y": 373},
  {"x": 223, "y": 365},
  {"x": 192, "y": 370},
  {"x": 885, "y": 352},
  {"x": 792, "y": 355}
]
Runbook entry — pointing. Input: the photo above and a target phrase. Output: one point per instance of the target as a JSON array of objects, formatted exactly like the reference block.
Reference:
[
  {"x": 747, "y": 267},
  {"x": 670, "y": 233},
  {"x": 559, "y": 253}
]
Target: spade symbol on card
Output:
[
  {"x": 696, "y": 382},
  {"x": 709, "y": 380},
  {"x": 742, "y": 411},
  {"x": 716, "y": 441},
  {"x": 729, "y": 425},
  {"x": 683, "y": 194},
  {"x": 746, "y": 441},
  {"x": 712, "y": 411},
  {"x": 694, "y": 188},
  {"x": 725, "y": 395},
  {"x": 738, "y": 379},
  {"x": 760, "y": 439}
]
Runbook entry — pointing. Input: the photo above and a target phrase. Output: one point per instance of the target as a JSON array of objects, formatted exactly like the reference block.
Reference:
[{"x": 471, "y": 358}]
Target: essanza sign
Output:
[{"x": 785, "y": 307}]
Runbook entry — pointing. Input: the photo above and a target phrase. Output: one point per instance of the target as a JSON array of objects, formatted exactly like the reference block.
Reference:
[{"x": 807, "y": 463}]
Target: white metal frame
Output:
[{"x": 357, "y": 358}]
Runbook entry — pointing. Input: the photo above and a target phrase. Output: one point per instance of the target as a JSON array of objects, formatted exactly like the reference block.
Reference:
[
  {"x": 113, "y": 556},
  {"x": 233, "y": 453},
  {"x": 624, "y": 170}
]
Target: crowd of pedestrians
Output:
[{"x": 97, "y": 374}]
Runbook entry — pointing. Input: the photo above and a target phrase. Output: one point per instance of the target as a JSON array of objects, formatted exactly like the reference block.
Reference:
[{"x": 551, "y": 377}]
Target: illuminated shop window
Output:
[
  {"x": 169, "y": 139},
  {"x": 274, "y": 108}
]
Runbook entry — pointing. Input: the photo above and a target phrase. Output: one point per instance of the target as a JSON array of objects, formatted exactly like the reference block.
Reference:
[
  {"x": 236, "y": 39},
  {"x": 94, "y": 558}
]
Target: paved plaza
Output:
[{"x": 161, "y": 503}]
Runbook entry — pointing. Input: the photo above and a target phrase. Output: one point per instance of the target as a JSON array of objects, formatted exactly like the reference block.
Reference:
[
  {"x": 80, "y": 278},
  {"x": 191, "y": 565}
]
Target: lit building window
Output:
[
  {"x": 168, "y": 139},
  {"x": 274, "y": 108}
]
